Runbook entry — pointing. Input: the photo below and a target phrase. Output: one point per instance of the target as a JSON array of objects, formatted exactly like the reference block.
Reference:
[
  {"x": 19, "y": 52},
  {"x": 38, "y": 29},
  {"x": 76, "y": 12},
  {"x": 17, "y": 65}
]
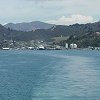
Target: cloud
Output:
[
  {"x": 81, "y": 19},
  {"x": 47, "y": 10}
]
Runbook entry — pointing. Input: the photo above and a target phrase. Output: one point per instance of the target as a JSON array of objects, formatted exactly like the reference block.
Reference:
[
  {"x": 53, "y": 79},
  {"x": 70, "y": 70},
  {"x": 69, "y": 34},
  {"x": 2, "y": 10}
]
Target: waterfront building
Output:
[
  {"x": 31, "y": 48},
  {"x": 66, "y": 45},
  {"x": 58, "y": 47},
  {"x": 73, "y": 46},
  {"x": 41, "y": 47},
  {"x": 5, "y": 48}
]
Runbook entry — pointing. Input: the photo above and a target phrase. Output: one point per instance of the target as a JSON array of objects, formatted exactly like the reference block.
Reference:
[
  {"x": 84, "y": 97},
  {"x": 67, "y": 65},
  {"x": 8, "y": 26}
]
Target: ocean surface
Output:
[{"x": 50, "y": 75}]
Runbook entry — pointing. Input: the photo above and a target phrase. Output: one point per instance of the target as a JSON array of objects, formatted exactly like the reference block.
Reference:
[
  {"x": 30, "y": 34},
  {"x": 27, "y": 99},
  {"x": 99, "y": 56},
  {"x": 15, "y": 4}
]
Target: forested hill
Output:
[
  {"x": 46, "y": 34},
  {"x": 78, "y": 29}
]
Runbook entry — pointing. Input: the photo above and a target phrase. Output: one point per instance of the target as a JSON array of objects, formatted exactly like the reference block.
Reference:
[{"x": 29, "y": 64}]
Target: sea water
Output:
[{"x": 50, "y": 75}]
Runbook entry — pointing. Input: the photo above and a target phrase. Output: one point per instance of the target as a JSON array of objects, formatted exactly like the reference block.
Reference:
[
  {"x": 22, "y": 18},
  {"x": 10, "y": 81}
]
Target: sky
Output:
[{"x": 60, "y": 12}]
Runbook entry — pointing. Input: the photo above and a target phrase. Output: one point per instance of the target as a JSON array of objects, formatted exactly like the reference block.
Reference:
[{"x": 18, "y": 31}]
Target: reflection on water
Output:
[{"x": 50, "y": 75}]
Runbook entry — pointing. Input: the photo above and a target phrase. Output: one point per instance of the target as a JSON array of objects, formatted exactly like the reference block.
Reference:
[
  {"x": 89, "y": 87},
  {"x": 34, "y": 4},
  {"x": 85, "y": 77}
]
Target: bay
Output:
[{"x": 50, "y": 75}]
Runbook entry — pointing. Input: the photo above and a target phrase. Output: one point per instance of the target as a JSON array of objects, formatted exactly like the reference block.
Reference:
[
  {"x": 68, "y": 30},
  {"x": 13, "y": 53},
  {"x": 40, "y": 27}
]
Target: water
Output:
[{"x": 50, "y": 75}]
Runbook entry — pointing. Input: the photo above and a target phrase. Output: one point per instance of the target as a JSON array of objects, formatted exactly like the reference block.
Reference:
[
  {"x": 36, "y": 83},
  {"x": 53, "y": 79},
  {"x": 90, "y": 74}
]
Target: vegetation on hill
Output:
[
  {"x": 84, "y": 41},
  {"x": 82, "y": 34}
]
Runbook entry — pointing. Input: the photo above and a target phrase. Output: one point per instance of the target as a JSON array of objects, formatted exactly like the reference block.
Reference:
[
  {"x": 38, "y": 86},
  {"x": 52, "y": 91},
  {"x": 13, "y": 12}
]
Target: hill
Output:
[
  {"x": 60, "y": 30},
  {"x": 85, "y": 40},
  {"x": 28, "y": 26},
  {"x": 48, "y": 34}
]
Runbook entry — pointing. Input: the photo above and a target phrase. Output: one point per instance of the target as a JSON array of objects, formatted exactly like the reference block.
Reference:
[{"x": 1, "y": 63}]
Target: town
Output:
[{"x": 39, "y": 45}]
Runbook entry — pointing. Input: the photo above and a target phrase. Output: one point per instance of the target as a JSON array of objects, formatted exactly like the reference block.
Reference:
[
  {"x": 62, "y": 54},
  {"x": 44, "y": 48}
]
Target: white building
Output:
[
  {"x": 41, "y": 47},
  {"x": 66, "y": 45},
  {"x": 57, "y": 47},
  {"x": 5, "y": 48},
  {"x": 73, "y": 46},
  {"x": 31, "y": 48}
]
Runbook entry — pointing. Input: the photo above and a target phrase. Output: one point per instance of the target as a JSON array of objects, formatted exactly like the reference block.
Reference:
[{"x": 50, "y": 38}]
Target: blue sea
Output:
[{"x": 50, "y": 75}]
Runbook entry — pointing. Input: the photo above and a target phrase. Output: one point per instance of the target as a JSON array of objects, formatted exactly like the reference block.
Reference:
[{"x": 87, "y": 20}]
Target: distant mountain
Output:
[{"x": 28, "y": 26}]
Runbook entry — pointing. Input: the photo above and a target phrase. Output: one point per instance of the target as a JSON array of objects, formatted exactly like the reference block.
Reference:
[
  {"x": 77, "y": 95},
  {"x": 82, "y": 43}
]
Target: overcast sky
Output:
[{"x": 53, "y": 11}]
